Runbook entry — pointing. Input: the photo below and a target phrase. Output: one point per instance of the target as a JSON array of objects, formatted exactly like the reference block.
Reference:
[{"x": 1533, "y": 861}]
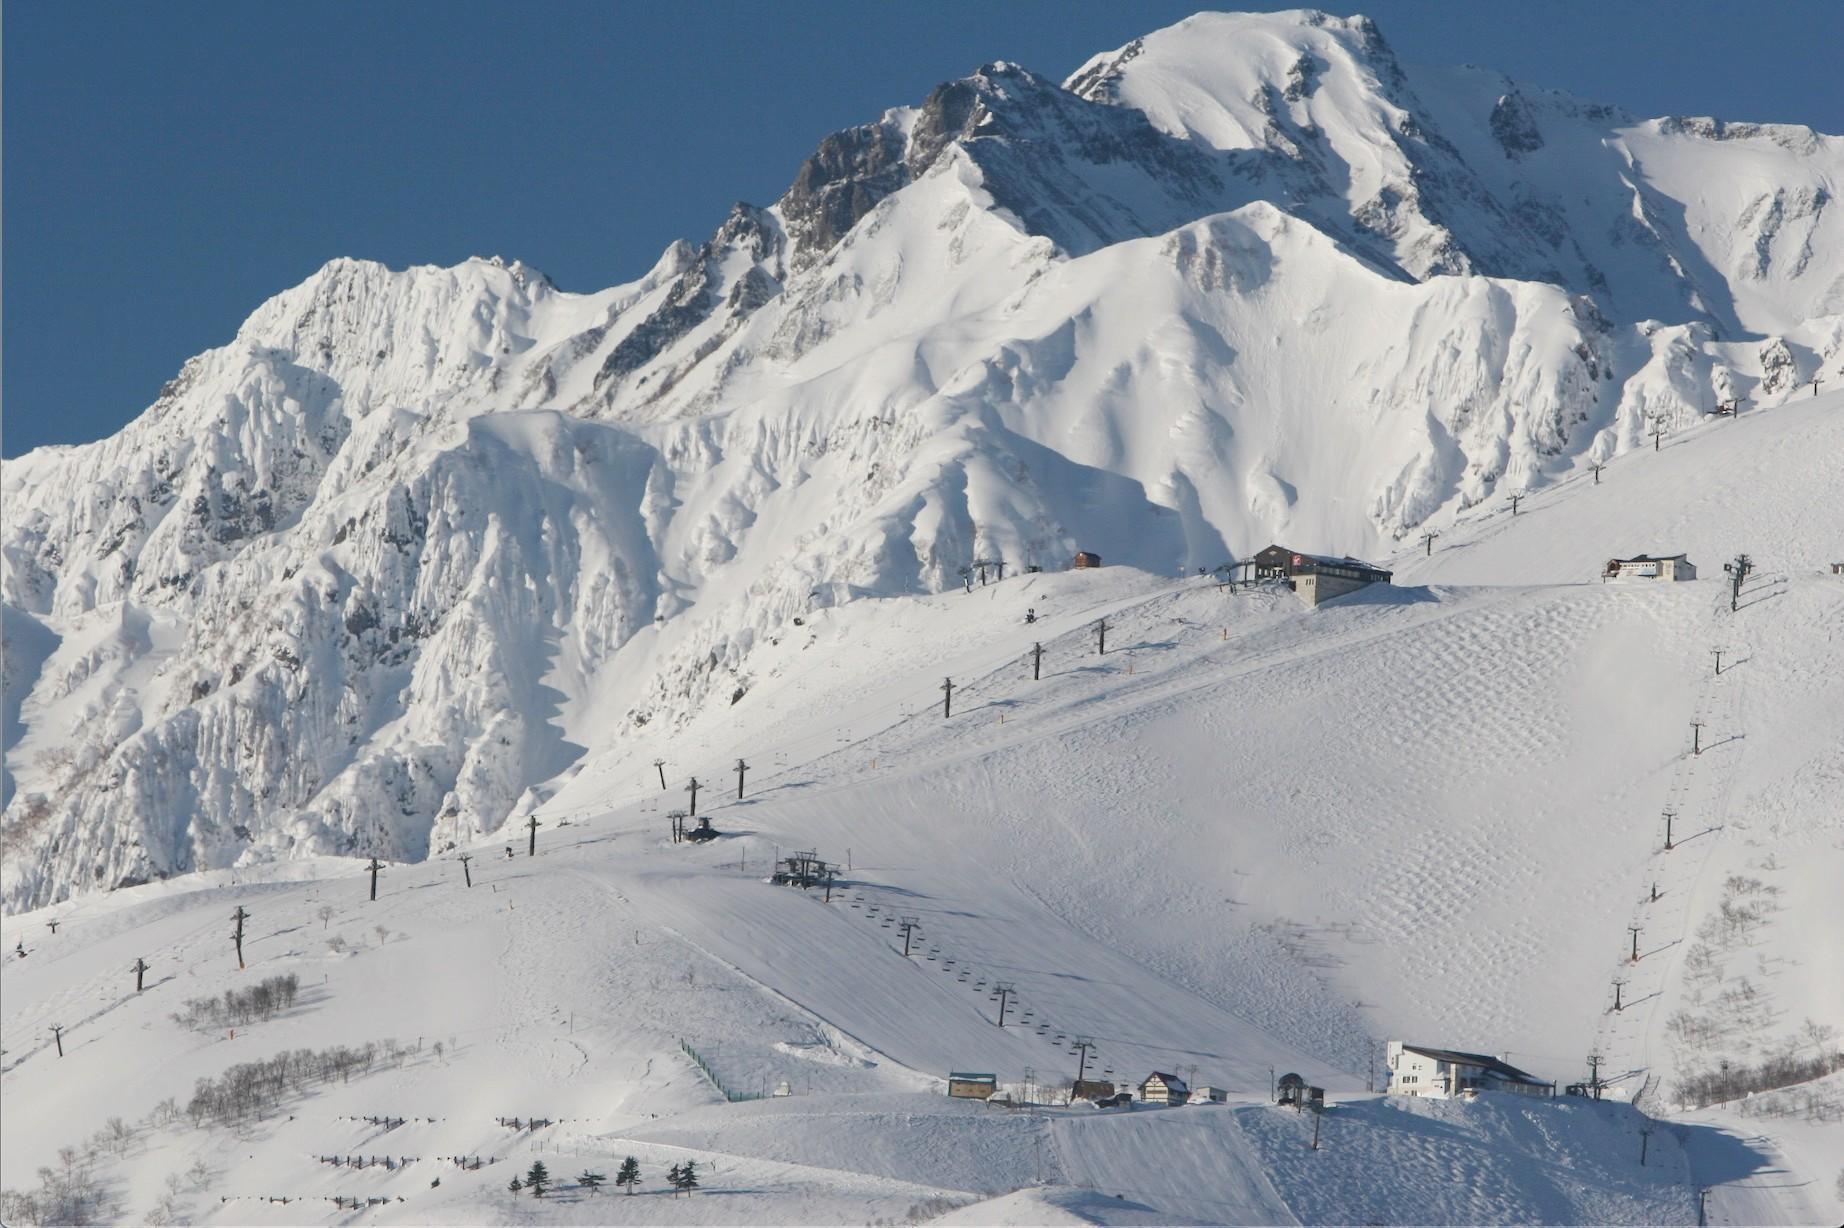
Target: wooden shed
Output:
[
  {"x": 1085, "y": 559},
  {"x": 967, "y": 1085}
]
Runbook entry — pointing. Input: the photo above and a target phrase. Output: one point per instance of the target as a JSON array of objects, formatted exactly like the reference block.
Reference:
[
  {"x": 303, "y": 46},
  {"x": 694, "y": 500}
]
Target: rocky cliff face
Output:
[{"x": 414, "y": 543}]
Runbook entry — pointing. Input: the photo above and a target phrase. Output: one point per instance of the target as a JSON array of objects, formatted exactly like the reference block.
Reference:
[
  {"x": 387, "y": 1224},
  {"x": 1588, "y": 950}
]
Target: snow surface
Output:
[
  {"x": 423, "y": 555},
  {"x": 1248, "y": 838},
  {"x": 415, "y": 543}
]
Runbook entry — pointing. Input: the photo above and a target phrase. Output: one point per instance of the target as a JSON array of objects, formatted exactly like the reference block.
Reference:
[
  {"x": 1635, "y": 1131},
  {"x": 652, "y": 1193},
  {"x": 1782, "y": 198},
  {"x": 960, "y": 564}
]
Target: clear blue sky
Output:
[{"x": 167, "y": 166}]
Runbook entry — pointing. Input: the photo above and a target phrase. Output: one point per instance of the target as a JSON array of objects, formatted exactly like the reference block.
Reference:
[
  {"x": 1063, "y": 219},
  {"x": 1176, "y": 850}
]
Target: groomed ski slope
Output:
[{"x": 1247, "y": 837}]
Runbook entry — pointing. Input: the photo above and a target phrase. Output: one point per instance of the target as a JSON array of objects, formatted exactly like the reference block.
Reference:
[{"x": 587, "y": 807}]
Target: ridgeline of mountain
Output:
[{"x": 414, "y": 544}]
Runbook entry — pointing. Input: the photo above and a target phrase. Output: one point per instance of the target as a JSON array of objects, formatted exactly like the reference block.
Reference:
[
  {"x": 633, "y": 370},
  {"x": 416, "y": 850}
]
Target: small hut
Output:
[
  {"x": 969, "y": 1085},
  {"x": 1085, "y": 560},
  {"x": 1291, "y": 1089}
]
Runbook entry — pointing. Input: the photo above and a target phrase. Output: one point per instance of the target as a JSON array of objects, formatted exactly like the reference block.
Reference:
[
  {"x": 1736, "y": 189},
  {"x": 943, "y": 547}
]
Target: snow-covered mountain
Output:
[
  {"x": 413, "y": 546},
  {"x": 1248, "y": 839}
]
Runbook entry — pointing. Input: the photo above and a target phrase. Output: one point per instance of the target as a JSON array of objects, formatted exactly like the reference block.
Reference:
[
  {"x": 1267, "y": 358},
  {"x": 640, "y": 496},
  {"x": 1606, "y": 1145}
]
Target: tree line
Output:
[
  {"x": 239, "y": 1007},
  {"x": 1734, "y": 1080},
  {"x": 256, "y": 1089}
]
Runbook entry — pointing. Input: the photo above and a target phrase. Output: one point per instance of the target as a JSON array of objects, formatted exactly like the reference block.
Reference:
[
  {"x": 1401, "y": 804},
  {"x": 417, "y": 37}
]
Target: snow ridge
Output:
[{"x": 373, "y": 576}]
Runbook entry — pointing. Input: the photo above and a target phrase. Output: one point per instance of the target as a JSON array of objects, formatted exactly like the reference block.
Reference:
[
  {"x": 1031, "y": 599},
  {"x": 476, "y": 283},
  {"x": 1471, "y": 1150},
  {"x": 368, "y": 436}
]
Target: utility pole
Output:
[
  {"x": 947, "y": 698},
  {"x": 1005, "y": 990},
  {"x": 1738, "y": 571},
  {"x": 240, "y": 916},
  {"x": 140, "y": 970},
  {"x": 1617, "y": 984},
  {"x": 1696, "y": 737},
  {"x": 660, "y": 765},
  {"x": 374, "y": 867},
  {"x": 1037, "y": 662},
  {"x": 1658, "y": 430},
  {"x": 1082, "y": 1045},
  {"x": 1645, "y": 1138},
  {"x": 1594, "y": 1075},
  {"x": 677, "y": 819},
  {"x": 741, "y": 767},
  {"x": 909, "y": 925},
  {"x": 1101, "y": 642},
  {"x": 1703, "y": 1192},
  {"x": 1597, "y": 466},
  {"x": 531, "y": 843},
  {"x": 1427, "y": 539},
  {"x": 54, "y": 927},
  {"x": 1635, "y": 931},
  {"x": 1654, "y": 891},
  {"x": 692, "y": 789},
  {"x": 1669, "y": 815},
  {"x": 1000, "y": 564},
  {"x": 1318, "y": 1116},
  {"x": 1515, "y": 500},
  {"x": 466, "y": 873},
  {"x": 1718, "y": 655},
  {"x": 57, "y": 1036},
  {"x": 1816, "y": 381}
]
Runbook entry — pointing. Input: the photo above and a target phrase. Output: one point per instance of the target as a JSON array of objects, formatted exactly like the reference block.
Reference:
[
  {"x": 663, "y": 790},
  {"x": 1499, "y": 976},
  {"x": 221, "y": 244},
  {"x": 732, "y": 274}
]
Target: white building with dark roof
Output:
[
  {"x": 1420, "y": 1070},
  {"x": 1650, "y": 567},
  {"x": 1312, "y": 577},
  {"x": 1162, "y": 1088}
]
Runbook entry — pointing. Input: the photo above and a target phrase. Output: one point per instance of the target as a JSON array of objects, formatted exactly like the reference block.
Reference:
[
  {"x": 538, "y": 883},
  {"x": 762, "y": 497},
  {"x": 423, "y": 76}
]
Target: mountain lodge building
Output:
[
  {"x": 1443, "y": 1074},
  {"x": 1647, "y": 567},
  {"x": 1162, "y": 1088},
  {"x": 1313, "y": 577}
]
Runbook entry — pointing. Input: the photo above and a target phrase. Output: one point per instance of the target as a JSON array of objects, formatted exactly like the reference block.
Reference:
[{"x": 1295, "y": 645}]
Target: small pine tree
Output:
[
  {"x": 538, "y": 1177},
  {"x": 516, "y": 1186},
  {"x": 688, "y": 1177},
  {"x": 673, "y": 1176},
  {"x": 591, "y": 1181},
  {"x": 629, "y": 1174}
]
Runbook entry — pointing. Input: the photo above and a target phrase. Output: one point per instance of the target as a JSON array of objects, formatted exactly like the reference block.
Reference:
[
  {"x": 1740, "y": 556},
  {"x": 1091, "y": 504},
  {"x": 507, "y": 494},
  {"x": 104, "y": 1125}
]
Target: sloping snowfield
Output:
[{"x": 1247, "y": 838}]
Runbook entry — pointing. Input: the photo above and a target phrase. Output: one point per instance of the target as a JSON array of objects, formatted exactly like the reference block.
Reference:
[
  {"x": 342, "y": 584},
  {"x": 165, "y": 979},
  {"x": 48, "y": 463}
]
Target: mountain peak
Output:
[{"x": 1245, "y": 279}]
